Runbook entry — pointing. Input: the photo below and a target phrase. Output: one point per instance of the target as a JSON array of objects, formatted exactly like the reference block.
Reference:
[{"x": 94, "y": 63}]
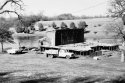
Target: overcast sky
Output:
[
  {"x": 56, "y": 7},
  {"x": 76, "y": 7}
]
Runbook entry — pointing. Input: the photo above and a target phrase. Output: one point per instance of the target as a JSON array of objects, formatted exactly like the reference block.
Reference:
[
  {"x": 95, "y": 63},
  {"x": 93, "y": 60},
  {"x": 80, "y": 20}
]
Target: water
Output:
[{"x": 27, "y": 41}]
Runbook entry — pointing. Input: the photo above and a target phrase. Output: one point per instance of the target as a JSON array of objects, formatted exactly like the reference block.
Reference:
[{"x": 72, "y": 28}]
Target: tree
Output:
[
  {"x": 19, "y": 28},
  {"x": 66, "y": 17},
  {"x": 117, "y": 7},
  {"x": 14, "y": 7},
  {"x": 72, "y": 25},
  {"x": 5, "y": 34},
  {"x": 63, "y": 25},
  {"x": 32, "y": 27},
  {"x": 82, "y": 25},
  {"x": 28, "y": 21},
  {"x": 119, "y": 30}
]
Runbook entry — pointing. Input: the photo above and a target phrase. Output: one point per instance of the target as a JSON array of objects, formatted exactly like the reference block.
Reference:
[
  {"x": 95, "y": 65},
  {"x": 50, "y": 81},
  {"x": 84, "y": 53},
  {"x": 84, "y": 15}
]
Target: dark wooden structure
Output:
[{"x": 69, "y": 36}]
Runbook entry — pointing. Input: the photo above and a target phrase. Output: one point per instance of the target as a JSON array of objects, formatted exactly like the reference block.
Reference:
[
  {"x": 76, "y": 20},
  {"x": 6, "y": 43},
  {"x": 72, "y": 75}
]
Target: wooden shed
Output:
[{"x": 65, "y": 36}]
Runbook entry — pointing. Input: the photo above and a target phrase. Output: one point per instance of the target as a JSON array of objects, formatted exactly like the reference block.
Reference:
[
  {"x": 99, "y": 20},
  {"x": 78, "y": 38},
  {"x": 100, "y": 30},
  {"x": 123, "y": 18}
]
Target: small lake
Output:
[{"x": 27, "y": 41}]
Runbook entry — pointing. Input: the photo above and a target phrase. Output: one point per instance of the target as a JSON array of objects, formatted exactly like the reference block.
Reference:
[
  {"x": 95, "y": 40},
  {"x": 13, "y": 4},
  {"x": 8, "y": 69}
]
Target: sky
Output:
[{"x": 75, "y": 7}]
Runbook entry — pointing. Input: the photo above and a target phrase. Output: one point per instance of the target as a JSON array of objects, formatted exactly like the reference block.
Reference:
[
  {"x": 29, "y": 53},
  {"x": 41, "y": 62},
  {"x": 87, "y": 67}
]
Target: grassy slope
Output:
[
  {"x": 46, "y": 70},
  {"x": 94, "y": 25}
]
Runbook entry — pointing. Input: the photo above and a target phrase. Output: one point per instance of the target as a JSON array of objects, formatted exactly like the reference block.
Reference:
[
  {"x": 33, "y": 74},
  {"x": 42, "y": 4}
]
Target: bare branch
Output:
[
  {"x": 8, "y": 11},
  {"x": 15, "y": 2},
  {"x": 118, "y": 7},
  {"x": 4, "y": 4}
]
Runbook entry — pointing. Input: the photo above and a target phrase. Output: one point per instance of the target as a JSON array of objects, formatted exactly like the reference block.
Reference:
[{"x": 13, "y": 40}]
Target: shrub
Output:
[
  {"x": 72, "y": 25},
  {"x": 54, "y": 25},
  {"x": 26, "y": 30},
  {"x": 63, "y": 25},
  {"x": 32, "y": 27},
  {"x": 82, "y": 25},
  {"x": 19, "y": 30},
  {"x": 41, "y": 28}
]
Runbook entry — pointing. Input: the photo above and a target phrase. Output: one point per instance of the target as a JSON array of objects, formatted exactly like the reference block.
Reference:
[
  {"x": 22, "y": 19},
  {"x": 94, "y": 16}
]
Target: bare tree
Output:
[
  {"x": 15, "y": 6},
  {"x": 117, "y": 7},
  {"x": 119, "y": 30},
  {"x": 5, "y": 34}
]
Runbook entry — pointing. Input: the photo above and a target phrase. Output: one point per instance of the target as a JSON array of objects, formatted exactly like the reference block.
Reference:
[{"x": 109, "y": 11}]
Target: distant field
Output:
[
  {"x": 91, "y": 22},
  {"x": 94, "y": 25}
]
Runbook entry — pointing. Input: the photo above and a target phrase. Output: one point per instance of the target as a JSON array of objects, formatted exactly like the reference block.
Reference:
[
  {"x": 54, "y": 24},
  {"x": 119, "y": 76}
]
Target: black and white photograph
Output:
[{"x": 62, "y": 41}]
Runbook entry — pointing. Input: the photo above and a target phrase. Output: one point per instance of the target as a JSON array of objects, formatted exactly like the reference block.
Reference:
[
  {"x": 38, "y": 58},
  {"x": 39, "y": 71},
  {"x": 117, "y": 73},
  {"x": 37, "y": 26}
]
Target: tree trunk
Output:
[
  {"x": 123, "y": 53},
  {"x": 2, "y": 46}
]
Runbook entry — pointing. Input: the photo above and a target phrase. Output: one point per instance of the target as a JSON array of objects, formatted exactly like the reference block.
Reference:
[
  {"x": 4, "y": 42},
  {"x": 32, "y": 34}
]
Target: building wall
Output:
[
  {"x": 51, "y": 37},
  {"x": 69, "y": 36}
]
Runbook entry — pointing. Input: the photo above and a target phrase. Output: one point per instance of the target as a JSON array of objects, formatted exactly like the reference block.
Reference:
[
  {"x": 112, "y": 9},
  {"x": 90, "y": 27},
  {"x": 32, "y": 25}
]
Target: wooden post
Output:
[
  {"x": 122, "y": 56},
  {"x": 123, "y": 52}
]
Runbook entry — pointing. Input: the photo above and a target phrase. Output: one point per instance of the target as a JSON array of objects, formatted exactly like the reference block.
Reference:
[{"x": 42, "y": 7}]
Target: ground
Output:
[{"x": 37, "y": 68}]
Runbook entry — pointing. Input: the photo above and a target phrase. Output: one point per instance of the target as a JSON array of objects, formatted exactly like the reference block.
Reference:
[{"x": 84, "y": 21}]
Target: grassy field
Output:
[
  {"x": 94, "y": 25},
  {"x": 36, "y": 68}
]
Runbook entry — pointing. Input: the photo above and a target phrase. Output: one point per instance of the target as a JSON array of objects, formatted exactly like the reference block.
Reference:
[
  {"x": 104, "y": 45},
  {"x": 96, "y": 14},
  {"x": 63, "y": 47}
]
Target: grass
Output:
[{"x": 36, "y": 68}]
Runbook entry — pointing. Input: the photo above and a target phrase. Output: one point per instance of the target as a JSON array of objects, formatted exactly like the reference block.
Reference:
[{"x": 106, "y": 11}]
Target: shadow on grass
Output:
[
  {"x": 89, "y": 79},
  {"x": 74, "y": 57},
  {"x": 21, "y": 52},
  {"x": 44, "y": 80},
  {"x": 59, "y": 79},
  {"x": 4, "y": 79},
  {"x": 94, "y": 79},
  {"x": 4, "y": 73},
  {"x": 119, "y": 79}
]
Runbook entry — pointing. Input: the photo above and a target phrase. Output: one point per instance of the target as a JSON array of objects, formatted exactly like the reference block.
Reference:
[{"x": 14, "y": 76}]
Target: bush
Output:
[
  {"x": 41, "y": 28},
  {"x": 26, "y": 30},
  {"x": 32, "y": 27},
  {"x": 72, "y": 25},
  {"x": 54, "y": 25},
  {"x": 19, "y": 30},
  {"x": 82, "y": 25},
  {"x": 63, "y": 25}
]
